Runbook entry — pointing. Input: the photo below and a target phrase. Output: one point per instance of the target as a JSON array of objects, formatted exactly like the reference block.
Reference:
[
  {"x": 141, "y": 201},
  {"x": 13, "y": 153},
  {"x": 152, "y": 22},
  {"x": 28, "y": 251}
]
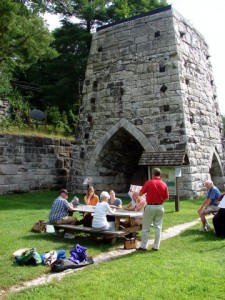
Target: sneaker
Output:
[
  {"x": 155, "y": 249},
  {"x": 207, "y": 227},
  {"x": 141, "y": 249},
  {"x": 69, "y": 236},
  {"x": 203, "y": 229}
]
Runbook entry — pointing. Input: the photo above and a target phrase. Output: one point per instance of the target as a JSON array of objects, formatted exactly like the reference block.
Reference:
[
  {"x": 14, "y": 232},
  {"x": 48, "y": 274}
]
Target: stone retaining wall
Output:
[{"x": 33, "y": 163}]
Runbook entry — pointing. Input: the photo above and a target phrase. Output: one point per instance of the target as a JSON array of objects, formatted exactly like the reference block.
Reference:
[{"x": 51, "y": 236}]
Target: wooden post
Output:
[
  {"x": 177, "y": 197},
  {"x": 149, "y": 173}
]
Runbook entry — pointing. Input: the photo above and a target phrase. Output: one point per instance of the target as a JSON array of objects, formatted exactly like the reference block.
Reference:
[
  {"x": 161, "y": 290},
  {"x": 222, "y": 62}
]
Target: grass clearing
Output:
[{"x": 189, "y": 266}]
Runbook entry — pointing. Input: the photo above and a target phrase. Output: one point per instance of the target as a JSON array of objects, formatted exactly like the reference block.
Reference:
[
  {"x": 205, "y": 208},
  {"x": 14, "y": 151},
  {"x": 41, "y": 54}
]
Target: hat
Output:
[
  {"x": 63, "y": 191},
  {"x": 20, "y": 251},
  {"x": 104, "y": 195}
]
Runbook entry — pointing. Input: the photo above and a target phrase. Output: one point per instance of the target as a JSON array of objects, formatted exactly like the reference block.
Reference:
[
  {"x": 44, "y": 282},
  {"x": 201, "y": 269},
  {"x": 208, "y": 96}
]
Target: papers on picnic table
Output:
[{"x": 222, "y": 203}]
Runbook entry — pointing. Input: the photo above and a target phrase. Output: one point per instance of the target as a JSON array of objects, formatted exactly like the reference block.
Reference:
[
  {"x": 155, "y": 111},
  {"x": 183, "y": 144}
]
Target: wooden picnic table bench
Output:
[{"x": 110, "y": 234}]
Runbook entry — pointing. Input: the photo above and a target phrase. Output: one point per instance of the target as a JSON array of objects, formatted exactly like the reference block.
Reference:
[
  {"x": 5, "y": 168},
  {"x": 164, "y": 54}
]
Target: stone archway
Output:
[
  {"x": 115, "y": 159},
  {"x": 216, "y": 171},
  {"x": 130, "y": 129}
]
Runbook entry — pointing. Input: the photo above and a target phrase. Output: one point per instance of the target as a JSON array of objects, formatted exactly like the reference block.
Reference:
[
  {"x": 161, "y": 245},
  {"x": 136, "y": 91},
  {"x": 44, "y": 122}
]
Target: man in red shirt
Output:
[{"x": 156, "y": 193}]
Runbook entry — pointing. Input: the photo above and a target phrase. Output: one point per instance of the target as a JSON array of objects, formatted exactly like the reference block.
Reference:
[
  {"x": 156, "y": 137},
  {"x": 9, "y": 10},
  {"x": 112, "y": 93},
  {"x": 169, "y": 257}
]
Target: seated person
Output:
[
  {"x": 210, "y": 204},
  {"x": 59, "y": 211},
  {"x": 219, "y": 218},
  {"x": 113, "y": 203},
  {"x": 136, "y": 204},
  {"x": 89, "y": 199},
  {"x": 101, "y": 211}
]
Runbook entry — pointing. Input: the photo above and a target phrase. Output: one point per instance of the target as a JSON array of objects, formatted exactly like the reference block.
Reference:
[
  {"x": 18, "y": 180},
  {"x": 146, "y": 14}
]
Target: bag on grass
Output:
[
  {"x": 39, "y": 226},
  {"x": 78, "y": 254},
  {"x": 63, "y": 264},
  {"x": 130, "y": 243},
  {"x": 29, "y": 257},
  {"x": 51, "y": 256}
]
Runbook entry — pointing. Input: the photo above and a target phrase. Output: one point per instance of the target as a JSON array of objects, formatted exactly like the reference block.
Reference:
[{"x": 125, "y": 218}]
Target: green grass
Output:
[
  {"x": 189, "y": 266},
  {"x": 35, "y": 132}
]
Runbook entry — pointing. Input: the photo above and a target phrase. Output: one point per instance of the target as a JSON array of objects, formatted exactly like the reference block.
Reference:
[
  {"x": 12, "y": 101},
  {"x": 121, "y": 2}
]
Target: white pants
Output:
[{"x": 152, "y": 214}]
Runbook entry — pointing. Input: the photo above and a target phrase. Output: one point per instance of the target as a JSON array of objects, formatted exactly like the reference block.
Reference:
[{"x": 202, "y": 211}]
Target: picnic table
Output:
[{"x": 110, "y": 234}]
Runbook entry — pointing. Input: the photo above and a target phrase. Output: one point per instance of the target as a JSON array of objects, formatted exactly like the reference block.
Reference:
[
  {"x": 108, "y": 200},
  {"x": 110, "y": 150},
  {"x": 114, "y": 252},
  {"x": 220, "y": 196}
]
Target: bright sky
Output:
[{"x": 208, "y": 17}]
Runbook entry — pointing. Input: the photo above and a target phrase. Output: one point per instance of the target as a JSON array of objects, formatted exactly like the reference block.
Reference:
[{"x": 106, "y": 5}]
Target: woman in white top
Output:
[{"x": 102, "y": 209}]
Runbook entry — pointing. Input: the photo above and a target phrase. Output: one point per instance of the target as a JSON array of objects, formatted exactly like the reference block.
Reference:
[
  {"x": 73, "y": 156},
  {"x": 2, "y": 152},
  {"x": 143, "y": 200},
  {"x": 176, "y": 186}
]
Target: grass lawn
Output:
[{"x": 189, "y": 266}]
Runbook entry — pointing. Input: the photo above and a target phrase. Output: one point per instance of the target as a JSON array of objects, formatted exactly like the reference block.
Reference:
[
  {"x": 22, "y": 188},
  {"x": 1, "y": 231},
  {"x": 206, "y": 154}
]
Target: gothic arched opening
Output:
[
  {"x": 216, "y": 172},
  {"x": 117, "y": 163}
]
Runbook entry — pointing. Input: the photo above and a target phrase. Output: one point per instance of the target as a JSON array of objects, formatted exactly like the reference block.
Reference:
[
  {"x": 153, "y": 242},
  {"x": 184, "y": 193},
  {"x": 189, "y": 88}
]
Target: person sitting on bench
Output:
[
  {"x": 101, "y": 210},
  {"x": 137, "y": 204},
  {"x": 210, "y": 204},
  {"x": 219, "y": 218},
  {"x": 59, "y": 211},
  {"x": 89, "y": 199},
  {"x": 114, "y": 202}
]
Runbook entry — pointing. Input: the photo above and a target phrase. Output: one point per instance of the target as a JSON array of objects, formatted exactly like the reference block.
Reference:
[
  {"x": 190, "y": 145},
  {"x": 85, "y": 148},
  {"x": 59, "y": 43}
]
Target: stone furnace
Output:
[{"x": 149, "y": 93}]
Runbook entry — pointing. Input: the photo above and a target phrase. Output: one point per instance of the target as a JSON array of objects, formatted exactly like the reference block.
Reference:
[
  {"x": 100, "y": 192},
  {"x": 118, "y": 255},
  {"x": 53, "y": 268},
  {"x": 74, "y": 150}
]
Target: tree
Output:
[
  {"x": 91, "y": 12},
  {"x": 24, "y": 39},
  {"x": 57, "y": 83},
  {"x": 66, "y": 72},
  {"x": 121, "y": 9}
]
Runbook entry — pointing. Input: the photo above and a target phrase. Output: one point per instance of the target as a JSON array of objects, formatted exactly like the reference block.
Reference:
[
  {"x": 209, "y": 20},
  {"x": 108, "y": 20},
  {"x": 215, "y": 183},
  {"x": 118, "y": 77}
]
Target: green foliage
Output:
[
  {"x": 18, "y": 112},
  {"x": 59, "y": 122},
  {"x": 46, "y": 5},
  {"x": 24, "y": 39},
  {"x": 56, "y": 84},
  {"x": 120, "y": 9},
  {"x": 24, "y": 36},
  {"x": 46, "y": 81},
  {"x": 91, "y": 12}
]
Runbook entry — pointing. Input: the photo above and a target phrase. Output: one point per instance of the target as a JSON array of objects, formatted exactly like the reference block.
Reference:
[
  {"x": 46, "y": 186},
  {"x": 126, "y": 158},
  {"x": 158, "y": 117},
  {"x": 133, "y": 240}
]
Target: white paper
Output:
[
  {"x": 222, "y": 203},
  {"x": 135, "y": 188},
  {"x": 87, "y": 180}
]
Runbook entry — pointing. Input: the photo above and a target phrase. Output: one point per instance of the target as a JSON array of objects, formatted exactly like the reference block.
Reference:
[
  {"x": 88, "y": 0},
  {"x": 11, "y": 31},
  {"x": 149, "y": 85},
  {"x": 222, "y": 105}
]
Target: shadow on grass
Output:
[
  {"x": 81, "y": 239},
  {"x": 200, "y": 236}
]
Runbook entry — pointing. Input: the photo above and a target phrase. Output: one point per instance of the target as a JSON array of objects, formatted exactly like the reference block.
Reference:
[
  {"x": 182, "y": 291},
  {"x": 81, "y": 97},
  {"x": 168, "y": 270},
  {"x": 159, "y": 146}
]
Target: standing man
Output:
[
  {"x": 209, "y": 205},
  {"x": 156, "y": 193}
]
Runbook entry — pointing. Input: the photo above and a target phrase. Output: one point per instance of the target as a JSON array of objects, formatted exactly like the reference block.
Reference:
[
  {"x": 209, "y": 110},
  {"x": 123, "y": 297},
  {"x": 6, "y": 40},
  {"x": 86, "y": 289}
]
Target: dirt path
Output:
[{"x": 118, "y": 252}]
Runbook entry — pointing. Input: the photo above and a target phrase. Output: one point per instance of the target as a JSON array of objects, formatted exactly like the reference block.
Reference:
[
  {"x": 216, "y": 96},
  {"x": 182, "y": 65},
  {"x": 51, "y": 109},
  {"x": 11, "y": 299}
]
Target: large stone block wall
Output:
[
  {"x": 149, "y": 87},
  {"x": 202, "y": 118},
  {"x": 33, "y": 163}
]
